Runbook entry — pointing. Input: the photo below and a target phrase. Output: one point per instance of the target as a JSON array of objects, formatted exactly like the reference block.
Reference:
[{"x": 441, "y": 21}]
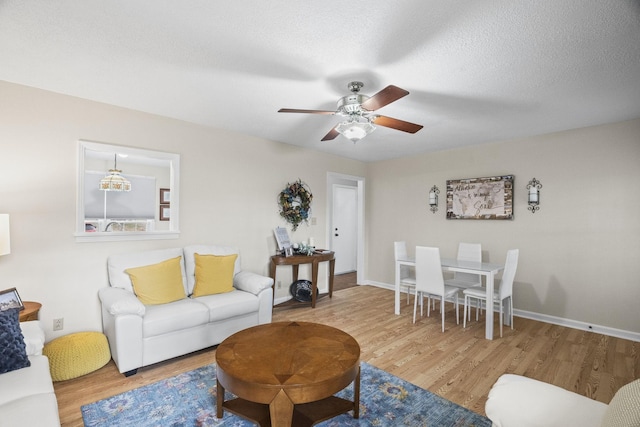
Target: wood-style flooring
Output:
[
  {"x": 459, "y": 364},
  {"x": 344, "y": 281}
]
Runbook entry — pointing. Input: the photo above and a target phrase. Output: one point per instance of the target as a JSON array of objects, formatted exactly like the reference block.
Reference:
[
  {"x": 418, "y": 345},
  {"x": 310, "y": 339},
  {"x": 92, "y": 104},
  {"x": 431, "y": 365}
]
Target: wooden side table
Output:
[{"x": 30, "y": 312}]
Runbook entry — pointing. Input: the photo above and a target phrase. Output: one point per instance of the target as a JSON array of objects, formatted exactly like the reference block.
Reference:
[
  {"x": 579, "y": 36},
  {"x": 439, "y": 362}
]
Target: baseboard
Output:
[
  {"x": 569, "y": 323},
  {"x": 575, "y": 324},
  {"x": 280, "y": 300}
]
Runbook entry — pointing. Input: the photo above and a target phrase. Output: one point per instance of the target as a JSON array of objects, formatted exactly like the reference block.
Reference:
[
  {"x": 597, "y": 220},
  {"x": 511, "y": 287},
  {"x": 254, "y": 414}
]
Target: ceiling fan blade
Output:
[
  {"x": 386, "y": 96},
  {"x": 392, "y": 123},
  {"x": 295, "y": 110},
  {"x": 333, "y": 133}
]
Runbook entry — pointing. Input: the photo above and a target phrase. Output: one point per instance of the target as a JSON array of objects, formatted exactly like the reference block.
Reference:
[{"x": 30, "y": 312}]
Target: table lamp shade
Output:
[{"x": 5, "y": 243}]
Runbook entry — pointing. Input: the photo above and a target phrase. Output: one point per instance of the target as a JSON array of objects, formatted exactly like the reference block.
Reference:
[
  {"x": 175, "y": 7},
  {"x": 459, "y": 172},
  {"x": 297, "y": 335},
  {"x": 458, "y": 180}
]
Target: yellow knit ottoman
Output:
[{"x": 76, "y": 354}]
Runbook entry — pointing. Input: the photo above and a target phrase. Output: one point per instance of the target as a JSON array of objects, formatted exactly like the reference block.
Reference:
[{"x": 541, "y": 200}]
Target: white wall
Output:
[
  {"x": 229, "y": 186},
  {"x": 579, "y": 254}
]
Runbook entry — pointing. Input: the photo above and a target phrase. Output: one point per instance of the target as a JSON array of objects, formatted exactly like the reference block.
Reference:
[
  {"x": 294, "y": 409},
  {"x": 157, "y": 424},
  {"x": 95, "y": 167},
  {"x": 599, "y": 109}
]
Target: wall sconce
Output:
[
  {"x": 533, "y": 198},
  {"x": 433, "y": 198}
]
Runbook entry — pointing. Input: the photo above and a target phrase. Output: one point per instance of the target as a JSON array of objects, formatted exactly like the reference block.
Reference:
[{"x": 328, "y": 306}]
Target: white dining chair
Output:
[
  {"x": 504, "y": 290},
  {"x": 430, "y": 282},
  {"x": 407, "y": 275},
  {"x": 467, "y": 252}
]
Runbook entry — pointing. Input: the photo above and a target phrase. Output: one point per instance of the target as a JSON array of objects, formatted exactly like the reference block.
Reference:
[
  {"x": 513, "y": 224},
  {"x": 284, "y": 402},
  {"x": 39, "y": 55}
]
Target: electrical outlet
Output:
[
  {"x": 314, "y": 221},
  {"x": 58, "y": 324},
  {"x": 279, "y": 284}
]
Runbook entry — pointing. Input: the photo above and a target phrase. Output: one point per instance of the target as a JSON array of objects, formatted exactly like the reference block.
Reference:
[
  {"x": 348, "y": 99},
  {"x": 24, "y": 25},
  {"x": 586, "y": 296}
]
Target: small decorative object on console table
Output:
[
  {"x": 304, "y": 249},
  {"x": 283, "y": 241},
  {"x": 294, "y": 261}
]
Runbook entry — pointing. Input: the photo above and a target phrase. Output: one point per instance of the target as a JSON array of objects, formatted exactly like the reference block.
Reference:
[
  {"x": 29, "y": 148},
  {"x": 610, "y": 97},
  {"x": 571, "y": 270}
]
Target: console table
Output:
[{"x": 295, "y": 261}]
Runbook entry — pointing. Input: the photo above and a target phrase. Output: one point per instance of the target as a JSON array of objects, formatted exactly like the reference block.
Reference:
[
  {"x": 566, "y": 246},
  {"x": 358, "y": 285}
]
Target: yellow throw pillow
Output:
[
  {"x": 158, "y": 283},
  {"x": 214, "y": 274}
]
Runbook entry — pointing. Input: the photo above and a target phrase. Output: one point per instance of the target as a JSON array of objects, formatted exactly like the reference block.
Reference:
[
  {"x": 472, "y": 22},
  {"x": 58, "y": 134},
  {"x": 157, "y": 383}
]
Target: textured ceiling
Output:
[{"x": 477, "y": 71}]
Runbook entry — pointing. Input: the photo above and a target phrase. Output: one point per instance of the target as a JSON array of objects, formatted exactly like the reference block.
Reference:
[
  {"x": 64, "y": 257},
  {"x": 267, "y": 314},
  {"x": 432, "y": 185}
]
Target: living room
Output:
[
  {"x": 585, "y": 206},
  {"x": 578, "y": 254}
]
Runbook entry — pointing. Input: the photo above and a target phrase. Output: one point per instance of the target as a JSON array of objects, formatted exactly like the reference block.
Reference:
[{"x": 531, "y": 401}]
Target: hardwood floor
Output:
[
  {"x": 344, "y": 281},
  {"x": 459, "y": 364}
]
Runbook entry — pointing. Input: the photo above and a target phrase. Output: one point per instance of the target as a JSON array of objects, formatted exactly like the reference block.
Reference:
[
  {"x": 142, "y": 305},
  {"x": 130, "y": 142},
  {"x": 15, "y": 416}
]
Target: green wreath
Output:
[{"x": 295, "y": 203}]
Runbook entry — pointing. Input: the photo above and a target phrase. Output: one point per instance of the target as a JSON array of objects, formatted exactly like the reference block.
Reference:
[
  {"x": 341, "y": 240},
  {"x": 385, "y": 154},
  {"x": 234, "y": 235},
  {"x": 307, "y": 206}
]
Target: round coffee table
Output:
[{"x": 286, "y": 373}]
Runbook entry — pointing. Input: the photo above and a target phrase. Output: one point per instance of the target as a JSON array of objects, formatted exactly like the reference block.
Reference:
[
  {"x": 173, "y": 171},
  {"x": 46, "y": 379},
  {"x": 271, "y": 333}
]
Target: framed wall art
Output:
[
  {"x": 165, "y": 204},
  {"x": 165, "y": 196},
  {"x": 480, "y": 198},
  {"x": 165, "y": 212}
]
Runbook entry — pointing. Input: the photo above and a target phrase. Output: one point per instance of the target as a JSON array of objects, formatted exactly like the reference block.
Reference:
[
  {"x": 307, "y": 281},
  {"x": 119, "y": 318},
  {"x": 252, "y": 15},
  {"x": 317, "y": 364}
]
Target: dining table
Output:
[{"x": 488, "y": 270}]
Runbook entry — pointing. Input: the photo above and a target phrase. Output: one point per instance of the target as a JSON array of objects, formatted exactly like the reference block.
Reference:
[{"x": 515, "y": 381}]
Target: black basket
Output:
[{"x": 301, "y": 290}]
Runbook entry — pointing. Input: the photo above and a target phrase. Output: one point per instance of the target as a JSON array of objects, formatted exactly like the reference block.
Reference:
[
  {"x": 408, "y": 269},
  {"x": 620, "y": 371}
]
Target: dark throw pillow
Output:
[{"x": 13, "y": 353}]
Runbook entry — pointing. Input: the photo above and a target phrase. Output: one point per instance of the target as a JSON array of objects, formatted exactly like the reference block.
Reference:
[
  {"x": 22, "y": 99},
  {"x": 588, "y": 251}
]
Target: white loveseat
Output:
[
  {"x": 26, "y": 395},
  {"x": 140, "y": 335},
  {"x": 517, "y": 401}
]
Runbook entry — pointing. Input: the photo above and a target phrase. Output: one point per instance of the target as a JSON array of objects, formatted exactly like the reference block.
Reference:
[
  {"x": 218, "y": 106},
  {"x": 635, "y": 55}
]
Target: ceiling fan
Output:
[{"x": 358, "y": 109}]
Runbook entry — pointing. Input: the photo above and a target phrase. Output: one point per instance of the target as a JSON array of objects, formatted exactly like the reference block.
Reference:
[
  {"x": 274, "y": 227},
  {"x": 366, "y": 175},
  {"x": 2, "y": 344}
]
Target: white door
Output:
[{"x": 344, "y": 233}]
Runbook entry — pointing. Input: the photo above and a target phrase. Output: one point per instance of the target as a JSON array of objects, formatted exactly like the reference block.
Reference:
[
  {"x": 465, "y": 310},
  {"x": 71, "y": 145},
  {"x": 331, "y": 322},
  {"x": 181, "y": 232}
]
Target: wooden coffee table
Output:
[{"x": 286, "y": 373}]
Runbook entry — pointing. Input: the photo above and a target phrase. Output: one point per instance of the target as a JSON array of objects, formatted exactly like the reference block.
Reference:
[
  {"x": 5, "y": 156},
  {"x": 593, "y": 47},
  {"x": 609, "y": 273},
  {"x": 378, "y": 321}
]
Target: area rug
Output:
[{"x": 189, "y": 399}]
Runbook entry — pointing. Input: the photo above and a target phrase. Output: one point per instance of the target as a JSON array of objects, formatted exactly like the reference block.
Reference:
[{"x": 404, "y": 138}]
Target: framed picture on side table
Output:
[
  {"x": 282, "y": 239},
  {"x": 9, "y": 298}
]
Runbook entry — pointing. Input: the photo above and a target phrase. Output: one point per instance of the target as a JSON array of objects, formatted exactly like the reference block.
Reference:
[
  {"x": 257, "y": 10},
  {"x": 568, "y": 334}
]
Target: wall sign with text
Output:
[{"x": 480, "y": 198}]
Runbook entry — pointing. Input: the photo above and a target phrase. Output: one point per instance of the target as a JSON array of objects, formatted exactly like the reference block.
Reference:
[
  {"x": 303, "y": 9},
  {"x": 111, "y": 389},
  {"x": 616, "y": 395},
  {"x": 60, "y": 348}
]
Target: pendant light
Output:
[{"x": 114, "y": 181}]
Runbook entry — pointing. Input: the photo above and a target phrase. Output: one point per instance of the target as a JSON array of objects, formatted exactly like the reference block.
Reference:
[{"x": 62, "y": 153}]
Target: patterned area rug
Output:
[{"x": 189, "y": 399}]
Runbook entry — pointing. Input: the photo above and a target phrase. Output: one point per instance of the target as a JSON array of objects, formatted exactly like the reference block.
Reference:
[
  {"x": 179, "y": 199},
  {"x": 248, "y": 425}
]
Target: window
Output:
[{"x": 125, "y": 215}]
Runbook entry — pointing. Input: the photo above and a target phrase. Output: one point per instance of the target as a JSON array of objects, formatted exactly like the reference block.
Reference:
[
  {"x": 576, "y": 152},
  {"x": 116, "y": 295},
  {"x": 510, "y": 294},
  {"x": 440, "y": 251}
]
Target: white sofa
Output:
[
  {"x": 26, "y": 395},
  {"x": 517, "y": 401},
  {"x": 140, "y": 335}
]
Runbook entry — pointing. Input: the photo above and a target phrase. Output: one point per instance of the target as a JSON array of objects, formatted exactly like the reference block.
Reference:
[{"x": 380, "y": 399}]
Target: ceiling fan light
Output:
[{"x": 355, "y": 131}]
